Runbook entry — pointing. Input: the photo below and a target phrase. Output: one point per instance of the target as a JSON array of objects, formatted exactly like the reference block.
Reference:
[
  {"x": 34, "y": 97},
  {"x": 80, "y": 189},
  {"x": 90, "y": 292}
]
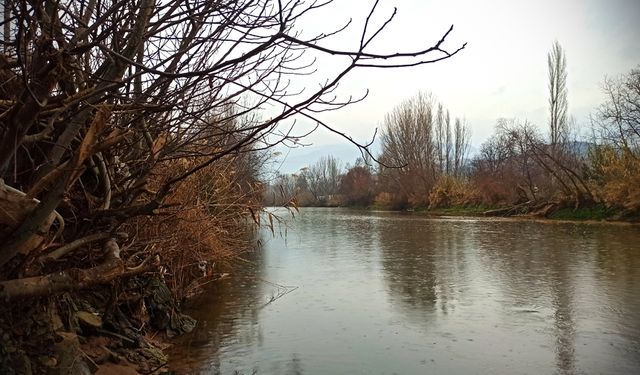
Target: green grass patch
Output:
[
  {"x": 597, "y": 212},
  {"x": 445, "y": 211}
]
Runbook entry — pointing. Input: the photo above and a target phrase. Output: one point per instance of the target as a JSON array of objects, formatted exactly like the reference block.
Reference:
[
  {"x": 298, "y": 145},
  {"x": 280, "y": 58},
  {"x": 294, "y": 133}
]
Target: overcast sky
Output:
[{"x": 503, "y": 70}]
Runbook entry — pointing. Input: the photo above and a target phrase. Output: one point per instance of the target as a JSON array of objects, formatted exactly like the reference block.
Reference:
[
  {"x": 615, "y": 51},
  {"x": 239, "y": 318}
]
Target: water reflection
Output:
[
  {"x": 384, "y": 293},
  {"x": 226, "y": 312},
  {"x": 408, "y": 260},
  {"x": 555, "y": 265}
]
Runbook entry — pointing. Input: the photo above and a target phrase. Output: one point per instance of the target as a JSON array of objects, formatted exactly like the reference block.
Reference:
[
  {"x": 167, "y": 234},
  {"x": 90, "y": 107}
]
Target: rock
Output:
[
  {"x": 88, "y": 319},
  {"x": 181, "y": 324},
  {"x": 164, "y": 311},
  {"x": 147, "y": 358},
  {"x": 48, "y": 361}
]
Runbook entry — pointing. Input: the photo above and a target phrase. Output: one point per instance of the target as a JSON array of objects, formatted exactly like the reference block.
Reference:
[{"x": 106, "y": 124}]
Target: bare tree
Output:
[
  {"x": 448, "y": 146},
  {"x": 615, "y": 159},
  {"x": 558, "y": 103},
  {"x": 618, "y": 118},
  {"x": 451, "y": 143},
  {"x": 100, "y": 99},
  {"x": 560, "y": 159},
  {"x": 418, "y": 137},
  {"x": 461, "y": 137},
  {"x": 323, "y": 177},
  {"x": 521, "y": 138},
  {"x": 522, "y": 161},
  {"x": 408, "y": 143},
  {"x": 440, "y": 139}
]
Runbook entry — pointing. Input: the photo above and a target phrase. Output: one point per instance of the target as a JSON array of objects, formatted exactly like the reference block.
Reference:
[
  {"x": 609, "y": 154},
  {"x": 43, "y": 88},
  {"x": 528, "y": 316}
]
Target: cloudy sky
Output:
[{"x": 501, "y": 73}]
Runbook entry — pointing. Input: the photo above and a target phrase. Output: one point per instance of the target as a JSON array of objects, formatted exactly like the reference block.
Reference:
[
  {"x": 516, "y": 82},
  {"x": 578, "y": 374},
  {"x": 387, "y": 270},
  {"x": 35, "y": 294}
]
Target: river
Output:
[{"x": 339, "y": 291}]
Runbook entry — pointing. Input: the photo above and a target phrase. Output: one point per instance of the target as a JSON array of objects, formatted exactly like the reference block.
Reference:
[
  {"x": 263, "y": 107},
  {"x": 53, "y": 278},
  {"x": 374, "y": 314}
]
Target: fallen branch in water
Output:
[{"x": 282, "y": 290}]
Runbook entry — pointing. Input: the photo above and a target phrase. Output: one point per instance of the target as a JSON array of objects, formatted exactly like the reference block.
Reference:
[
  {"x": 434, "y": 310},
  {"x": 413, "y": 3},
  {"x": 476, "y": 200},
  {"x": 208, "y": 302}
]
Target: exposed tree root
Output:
[{"x": 110, "y": 269}]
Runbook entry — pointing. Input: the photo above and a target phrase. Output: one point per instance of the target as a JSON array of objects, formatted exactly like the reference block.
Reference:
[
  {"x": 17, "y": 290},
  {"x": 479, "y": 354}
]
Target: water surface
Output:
[{"x": 352, "y": 292}]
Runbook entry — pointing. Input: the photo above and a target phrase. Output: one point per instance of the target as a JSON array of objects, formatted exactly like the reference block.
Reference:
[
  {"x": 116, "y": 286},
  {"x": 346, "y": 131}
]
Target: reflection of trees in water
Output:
[
  {"x": 540, "y": 265},
  {"x": 331, "y": 229},
  {"x": 562, "y": 298},
  {"x": 228, "y": 314},
  {"x": 617, "y": 257},
  {"x": 228, "y": 308},
  {"x": 294, "y": 367},
  {"x": 424, "y": 264},
  {"x": 530, "y": 258},
  {"x": 564, "y": 326}
]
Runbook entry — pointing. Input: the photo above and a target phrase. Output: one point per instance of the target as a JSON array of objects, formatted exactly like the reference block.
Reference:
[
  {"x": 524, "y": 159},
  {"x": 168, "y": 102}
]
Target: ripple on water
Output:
[{"x": 381, "y": 293}]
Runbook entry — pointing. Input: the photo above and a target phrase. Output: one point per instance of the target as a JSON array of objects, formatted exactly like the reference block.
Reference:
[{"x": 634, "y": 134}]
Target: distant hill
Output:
[{"x": 290, "y": 160}]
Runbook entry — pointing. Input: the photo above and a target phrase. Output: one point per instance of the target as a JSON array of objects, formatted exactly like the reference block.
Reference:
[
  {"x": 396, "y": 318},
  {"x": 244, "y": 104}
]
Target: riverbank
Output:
[
  {"x": 91, "y": 332},
  {"x": 590, "y": 213}
]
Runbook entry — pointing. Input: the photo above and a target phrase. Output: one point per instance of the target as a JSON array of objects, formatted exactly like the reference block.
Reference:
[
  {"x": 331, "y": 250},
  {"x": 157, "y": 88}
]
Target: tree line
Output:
[{"x": 520, "y": 169}]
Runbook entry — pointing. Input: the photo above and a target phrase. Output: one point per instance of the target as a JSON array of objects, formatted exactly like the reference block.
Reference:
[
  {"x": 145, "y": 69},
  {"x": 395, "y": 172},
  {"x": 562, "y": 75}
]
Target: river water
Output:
[{"x": 340, "y": 291}]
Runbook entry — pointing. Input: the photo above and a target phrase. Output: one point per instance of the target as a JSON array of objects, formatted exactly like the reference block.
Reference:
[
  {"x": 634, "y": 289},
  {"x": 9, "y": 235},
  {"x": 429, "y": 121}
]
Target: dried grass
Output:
[
  {"x": 616, "y": 178},
  {"x": 451, "y": 191},
  {"x": 208, "y": 225}
]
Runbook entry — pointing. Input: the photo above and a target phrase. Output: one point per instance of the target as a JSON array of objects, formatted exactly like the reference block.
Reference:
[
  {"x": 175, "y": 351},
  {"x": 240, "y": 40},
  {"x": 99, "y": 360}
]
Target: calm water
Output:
[{"x": 348, "y": 292}]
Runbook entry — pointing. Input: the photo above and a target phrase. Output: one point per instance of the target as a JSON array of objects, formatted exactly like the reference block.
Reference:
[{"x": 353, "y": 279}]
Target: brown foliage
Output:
[
  {"x": 452, "y": 191},
  {"x": 615, "y": 163},
  {"x": 615, "y": 176},
  {"x": 209, "y": 224},
  {"x": 493, "y": 190},
  {"x": 357, "y": 186},
  {"x": 391, "y": 200}
]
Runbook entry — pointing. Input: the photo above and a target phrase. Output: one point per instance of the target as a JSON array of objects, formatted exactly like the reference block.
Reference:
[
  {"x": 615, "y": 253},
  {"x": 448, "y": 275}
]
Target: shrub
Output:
[
  {"x": 452, "y": 191},
  {"x": 392, "y": 201},
  {"x": 209, "y": 226},
  {"x": 615, "y": 175}
]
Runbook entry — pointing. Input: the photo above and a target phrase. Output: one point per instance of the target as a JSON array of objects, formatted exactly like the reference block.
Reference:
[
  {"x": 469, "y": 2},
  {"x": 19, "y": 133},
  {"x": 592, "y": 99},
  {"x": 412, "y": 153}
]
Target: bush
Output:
[
  {"x": 392, "y": 201},
  {"x": 452, "y": 191},
  {"x": 615, "y": 176},
  {"x": 209, "y": 226}
]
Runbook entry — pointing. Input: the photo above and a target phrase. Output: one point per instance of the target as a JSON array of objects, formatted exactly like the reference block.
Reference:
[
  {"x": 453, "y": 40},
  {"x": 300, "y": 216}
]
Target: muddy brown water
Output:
[{"x": 353, "y": 292}]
